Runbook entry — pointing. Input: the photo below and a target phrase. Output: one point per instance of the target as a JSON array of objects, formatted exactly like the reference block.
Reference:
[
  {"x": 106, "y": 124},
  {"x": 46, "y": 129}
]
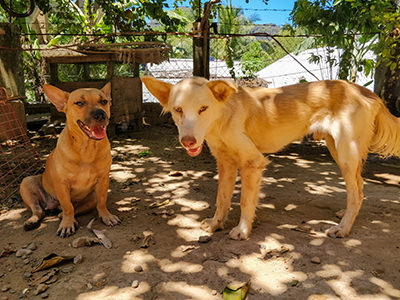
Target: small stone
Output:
[
  {"x": 23, "y": 252},
  {"x": 44, "y": 295},
  {"x": 40, "y": 289},
  {"x": 5, "y": 288},
  {"x": 27, "y": 275},
  {"x": 204, "y": 239},
  {"x": 84, "y": 241},
  {"x": 24, "y": 293},
  {"x": 316, "y": 260},
  {"x": 4, "y": 298},
  {"x": 135, "y": 284},
  {"x": 214, "y": 293},
  {"x": 138, "y": 268},
  {"x": 32, "y": 246},
  {"x": 78, "y": 259},
  {"x": 99, "y": 277},
  {"x": 89, "y": 286},
  {"x": 26, "y": 261}
]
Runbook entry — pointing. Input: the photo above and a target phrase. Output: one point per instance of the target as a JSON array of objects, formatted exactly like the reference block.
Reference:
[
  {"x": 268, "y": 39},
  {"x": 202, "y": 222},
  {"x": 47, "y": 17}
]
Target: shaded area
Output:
[{"x": 301, "y": 192}]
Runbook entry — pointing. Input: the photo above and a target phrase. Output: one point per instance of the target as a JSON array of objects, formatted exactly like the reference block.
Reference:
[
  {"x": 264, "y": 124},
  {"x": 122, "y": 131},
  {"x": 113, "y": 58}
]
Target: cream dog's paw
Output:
[
  {"x": 240, "y": 232},
  {"x": 337, "y": 231},
  {"x": 210, "y": 225}
]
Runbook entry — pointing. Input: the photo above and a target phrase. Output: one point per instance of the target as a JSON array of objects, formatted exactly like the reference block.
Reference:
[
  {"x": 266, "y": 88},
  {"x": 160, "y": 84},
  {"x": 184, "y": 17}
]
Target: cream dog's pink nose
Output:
[{"x": 188, "y": 141}]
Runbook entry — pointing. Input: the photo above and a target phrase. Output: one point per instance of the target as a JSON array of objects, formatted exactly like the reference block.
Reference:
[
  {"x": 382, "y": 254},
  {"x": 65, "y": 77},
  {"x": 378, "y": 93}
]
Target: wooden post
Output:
[
  {"x": 12, "y": 70},
  {"x": 201, "y": 43},
  {"x": 200, "y": 54}
]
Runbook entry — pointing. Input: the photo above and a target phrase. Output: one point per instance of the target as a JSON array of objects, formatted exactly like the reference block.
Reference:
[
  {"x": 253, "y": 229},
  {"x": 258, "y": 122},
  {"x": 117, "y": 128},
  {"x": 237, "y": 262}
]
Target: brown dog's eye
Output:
[
  {"x": 79, "y": 103},
  {"x": 203, "y": 108},
  {"x": 103, "y": 102},
  {"x": 178, "y": 110}
]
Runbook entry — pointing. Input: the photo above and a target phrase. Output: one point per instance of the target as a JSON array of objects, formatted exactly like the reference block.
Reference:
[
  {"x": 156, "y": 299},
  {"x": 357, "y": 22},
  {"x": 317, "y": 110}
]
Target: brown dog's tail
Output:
[{"x": 386, "y": 140}]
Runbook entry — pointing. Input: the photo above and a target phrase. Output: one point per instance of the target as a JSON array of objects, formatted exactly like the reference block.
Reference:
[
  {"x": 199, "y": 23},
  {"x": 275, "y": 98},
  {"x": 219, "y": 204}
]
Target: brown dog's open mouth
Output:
[
  {"x": 97, "y": 132},
  {"x": 194, "y": 151}
]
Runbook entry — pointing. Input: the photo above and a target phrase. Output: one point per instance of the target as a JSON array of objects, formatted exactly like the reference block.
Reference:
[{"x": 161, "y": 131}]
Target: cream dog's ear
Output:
[
  {"x": 58, "y": 97},
  {"x": 107, "y": 90},
  {"x": 222, "y": 89},
  {"x": 158, "y": 88}
]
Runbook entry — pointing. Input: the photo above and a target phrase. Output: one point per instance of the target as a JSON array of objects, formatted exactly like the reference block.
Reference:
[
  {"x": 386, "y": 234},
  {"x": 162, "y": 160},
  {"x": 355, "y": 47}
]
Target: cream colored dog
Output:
[{"x": 240, "y": 124}]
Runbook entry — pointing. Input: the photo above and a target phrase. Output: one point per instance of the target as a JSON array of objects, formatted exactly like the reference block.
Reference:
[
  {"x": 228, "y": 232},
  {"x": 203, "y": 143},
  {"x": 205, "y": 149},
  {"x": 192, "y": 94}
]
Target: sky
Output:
[
  {"x": 255, "y": 7},
  {"x": 276, "y": 17}
]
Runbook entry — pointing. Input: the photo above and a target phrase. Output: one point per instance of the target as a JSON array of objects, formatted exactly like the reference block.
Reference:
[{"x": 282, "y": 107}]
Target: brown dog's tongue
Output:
[{"x": 98, "y": 132}]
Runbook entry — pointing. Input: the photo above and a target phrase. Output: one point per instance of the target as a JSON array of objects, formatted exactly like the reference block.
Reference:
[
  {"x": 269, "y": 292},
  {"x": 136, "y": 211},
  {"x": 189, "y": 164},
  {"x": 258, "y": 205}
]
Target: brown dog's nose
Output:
[
  {"x": 188, "y": 141},
  {"x": 99, "y": 115}
]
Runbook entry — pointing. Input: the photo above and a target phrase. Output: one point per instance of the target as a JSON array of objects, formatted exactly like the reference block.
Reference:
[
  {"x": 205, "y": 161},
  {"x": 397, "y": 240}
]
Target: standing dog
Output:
[
  {"x": 240, "y": 124},
  {"x": 77, "y": 170}
]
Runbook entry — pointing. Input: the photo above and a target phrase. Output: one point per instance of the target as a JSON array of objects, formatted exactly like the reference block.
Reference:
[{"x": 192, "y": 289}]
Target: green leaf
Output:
[{"x": 236, "y": 292}]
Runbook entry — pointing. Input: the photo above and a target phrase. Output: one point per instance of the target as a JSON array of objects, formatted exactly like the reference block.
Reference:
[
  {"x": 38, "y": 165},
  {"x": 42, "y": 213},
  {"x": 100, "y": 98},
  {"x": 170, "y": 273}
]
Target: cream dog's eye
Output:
[
  {"x": 203, "y": 108},
  {"x": 79, "y": 103},
  {"x": 178, "y": 109}
]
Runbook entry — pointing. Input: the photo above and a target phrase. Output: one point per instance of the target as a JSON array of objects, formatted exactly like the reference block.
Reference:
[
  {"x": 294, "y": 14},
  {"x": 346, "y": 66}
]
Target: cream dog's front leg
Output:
[
  {"x": 252, "y": 163},
  {"x": 227, "y": 171}
]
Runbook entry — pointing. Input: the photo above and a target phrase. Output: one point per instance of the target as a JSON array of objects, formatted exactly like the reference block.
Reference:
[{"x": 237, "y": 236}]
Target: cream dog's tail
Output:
[{"x": 386, "y": 140}]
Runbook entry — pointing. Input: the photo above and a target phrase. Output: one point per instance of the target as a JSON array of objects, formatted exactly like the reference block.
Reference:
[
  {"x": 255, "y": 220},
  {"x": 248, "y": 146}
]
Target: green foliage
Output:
[
  {"x": 255, "y": 59},
  {"x": 350, "y": 25}
]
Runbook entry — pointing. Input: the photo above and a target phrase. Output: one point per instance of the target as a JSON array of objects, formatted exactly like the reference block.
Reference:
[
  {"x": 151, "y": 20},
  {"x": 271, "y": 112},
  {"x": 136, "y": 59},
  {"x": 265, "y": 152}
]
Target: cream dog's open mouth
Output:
[
  {"x": 97, "y": 132},
  {"x": 194, "y": 151}
]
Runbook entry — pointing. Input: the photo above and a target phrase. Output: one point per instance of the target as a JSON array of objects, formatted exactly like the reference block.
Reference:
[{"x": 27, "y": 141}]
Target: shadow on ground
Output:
[{"x": 157, "y": 189}]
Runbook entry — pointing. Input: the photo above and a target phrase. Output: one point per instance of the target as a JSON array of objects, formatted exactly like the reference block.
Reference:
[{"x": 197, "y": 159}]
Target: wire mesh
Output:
[{"x": 18, "y": 158}]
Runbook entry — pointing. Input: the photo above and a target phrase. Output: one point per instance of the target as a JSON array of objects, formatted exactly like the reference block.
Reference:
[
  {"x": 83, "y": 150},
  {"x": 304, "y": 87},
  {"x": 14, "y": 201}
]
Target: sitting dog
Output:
[
  {"x": 240, "y": 124},
  {"x": 76, "y": 176}
]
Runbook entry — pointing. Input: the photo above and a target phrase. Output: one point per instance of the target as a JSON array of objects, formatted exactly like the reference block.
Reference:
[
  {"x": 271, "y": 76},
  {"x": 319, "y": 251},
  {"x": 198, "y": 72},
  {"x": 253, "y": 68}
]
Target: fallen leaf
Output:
[
  {"x": 52, "y": 260},
  {"x": 158, "y": 204},
  {"x": 48, "y": 278},
  {"x": 236, "y": 292},
  {"x": 147, "y": 236},
  {"x": 6, "y": 252},
  {"x": 105, "y": 241}
]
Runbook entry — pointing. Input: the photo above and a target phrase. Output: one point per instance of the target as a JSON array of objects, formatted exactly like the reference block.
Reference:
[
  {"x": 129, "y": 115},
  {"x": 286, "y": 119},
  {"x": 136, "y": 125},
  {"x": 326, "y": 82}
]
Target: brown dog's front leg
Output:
[
  {"x": 101, "y": 191},
  {"x": 68, "y": 222},
  {"x": 227, "y": 171}
]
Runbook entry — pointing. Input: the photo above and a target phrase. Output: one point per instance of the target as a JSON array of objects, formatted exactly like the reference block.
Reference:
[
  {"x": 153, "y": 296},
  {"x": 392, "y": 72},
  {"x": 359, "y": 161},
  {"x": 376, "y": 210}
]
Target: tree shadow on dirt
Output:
[{"x": 155, "y": 187}]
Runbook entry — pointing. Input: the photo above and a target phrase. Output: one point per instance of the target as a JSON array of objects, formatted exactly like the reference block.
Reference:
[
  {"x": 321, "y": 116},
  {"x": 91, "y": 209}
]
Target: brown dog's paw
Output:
[
  {"x": 67, "y": 227},
  {"x": 210, "y": 226},
  {"x": 110, "y": 219},
  {"x": 337, "y": 232},
  {"x": 32, "y": 223}
]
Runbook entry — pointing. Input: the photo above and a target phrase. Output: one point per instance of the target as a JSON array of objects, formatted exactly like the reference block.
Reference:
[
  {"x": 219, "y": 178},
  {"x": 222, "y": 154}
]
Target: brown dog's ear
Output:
[
  {"x": 222, "y": 89},
  {"x": 107, "y": 90},
  {"x": 158, "y": 88},
  {"x": 58, "y": 97}
]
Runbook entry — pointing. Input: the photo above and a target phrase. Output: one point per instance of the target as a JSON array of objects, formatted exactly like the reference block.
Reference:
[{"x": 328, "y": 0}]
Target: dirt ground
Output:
[{"x": 159, "y": 191}]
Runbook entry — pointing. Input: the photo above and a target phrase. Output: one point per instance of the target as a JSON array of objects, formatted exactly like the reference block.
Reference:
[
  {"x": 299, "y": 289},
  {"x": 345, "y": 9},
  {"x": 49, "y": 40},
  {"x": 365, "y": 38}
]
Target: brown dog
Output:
[
  {"x": 239, "y": 124},
  {"x": 77, "y": 170}
]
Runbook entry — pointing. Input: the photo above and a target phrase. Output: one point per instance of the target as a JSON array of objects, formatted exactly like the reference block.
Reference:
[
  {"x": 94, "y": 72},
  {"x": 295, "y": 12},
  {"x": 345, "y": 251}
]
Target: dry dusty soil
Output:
[{"x": 162, "y": 195}]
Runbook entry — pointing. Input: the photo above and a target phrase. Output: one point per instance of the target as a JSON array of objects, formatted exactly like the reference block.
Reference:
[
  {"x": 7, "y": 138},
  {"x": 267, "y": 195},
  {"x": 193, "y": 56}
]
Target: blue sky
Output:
[
  {"x": 251, "y": 8},
  {"x": 277, "y": 17}
]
